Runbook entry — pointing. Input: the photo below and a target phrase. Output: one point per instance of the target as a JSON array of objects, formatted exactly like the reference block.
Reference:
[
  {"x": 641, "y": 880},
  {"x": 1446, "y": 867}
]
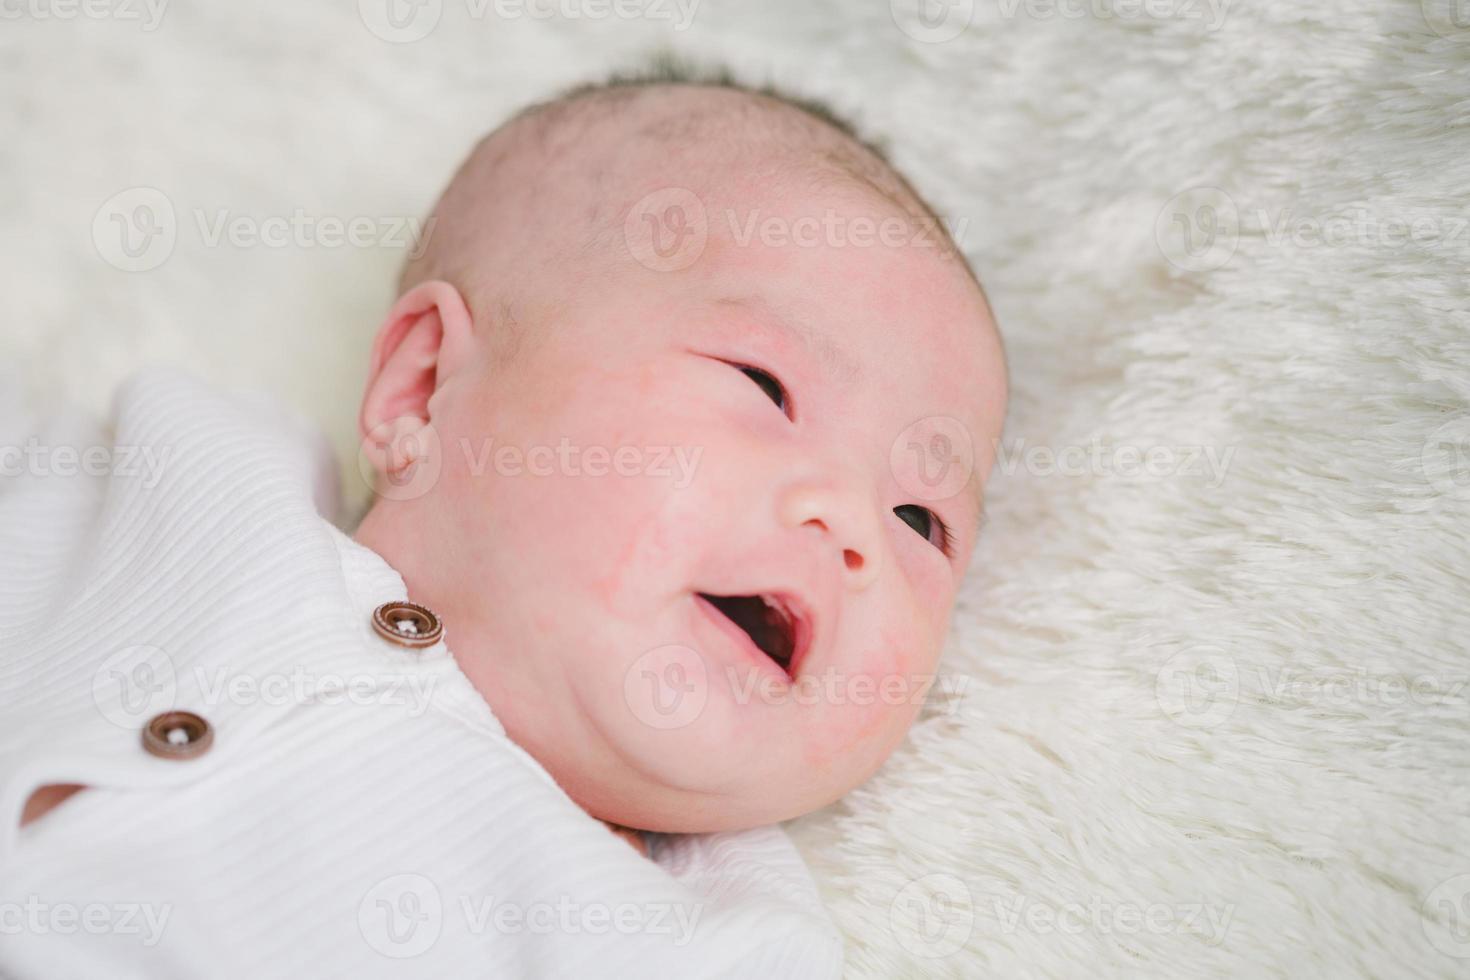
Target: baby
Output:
[{"x": 679, "y": 430}]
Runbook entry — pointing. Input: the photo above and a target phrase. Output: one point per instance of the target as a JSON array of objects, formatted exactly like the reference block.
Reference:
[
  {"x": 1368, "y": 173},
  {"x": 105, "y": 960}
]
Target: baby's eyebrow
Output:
[{"x": 839, "y": 364}]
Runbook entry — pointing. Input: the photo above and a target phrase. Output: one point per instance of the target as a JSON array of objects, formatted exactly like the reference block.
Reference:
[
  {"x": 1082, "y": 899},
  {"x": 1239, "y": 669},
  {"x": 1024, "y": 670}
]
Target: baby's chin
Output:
[
  {"x": 670, "y": 810},
  {"x": 644, "y": 799},
  {"x": 696, "y": 785},
  {"x": 668, "y": 781},
  {"x": 735, "y": 767}
]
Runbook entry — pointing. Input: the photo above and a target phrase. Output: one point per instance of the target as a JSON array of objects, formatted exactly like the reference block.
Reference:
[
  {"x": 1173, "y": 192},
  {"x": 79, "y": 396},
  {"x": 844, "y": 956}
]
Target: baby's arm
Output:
[
  {"x": 46, "y": 494},
  {"x": 46, "y": 799}
]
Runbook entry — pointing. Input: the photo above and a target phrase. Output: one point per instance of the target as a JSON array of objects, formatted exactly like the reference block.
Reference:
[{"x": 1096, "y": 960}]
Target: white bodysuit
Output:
[{"x": 354, "y": 809}]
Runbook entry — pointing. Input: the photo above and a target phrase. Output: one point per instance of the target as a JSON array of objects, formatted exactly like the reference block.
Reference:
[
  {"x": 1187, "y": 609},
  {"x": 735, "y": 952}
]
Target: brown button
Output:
[
  {"x": 178, "y": 735},
  {"x": 407, "y": 624}
]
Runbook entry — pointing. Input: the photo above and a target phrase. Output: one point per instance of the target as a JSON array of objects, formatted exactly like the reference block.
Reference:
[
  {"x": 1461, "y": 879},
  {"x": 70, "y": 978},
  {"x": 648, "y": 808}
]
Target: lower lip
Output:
[{"x": 740, "y": 638}]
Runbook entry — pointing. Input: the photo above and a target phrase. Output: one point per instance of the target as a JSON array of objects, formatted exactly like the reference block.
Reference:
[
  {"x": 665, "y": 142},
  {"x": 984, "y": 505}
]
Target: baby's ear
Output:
[{"x": 426, "y": 336}]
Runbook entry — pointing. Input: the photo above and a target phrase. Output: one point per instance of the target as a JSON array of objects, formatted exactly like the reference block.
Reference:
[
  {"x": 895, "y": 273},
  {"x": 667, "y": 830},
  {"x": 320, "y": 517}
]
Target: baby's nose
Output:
[{"x": 846, "y": 517}]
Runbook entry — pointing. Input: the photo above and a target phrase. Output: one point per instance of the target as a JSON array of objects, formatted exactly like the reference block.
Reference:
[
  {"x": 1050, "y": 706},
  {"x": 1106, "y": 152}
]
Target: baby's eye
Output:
[
  {"x": 926, "y": 524},
  {"x": 773, "y": 388}
]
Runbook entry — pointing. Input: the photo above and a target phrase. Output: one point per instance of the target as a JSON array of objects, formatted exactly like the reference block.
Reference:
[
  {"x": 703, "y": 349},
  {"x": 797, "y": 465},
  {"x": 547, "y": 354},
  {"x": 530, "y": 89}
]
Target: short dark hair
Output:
[{"x": 667, "y": 68}]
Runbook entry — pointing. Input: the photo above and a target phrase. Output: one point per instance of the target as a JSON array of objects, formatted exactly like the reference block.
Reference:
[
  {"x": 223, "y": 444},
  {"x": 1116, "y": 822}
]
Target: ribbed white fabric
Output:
[{"x": 382, "y": 828}]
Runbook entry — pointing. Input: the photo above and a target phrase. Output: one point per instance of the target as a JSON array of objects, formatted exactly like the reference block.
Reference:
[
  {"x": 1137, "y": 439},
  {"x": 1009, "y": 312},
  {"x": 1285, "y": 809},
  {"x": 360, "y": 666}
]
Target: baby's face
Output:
[{"x": 698, "y": 541}]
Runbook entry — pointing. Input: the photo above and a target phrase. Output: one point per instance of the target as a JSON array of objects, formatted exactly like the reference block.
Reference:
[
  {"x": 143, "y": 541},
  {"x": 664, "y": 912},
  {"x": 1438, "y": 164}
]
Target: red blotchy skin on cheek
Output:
[
  {"x": 846, "y": 724},
  {"x": 656, "y": 543},
  {"x": 643, "y": 545}
]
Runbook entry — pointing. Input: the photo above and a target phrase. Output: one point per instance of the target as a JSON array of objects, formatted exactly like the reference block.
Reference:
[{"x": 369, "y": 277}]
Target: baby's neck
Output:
[{"x": 635, "y": 838}]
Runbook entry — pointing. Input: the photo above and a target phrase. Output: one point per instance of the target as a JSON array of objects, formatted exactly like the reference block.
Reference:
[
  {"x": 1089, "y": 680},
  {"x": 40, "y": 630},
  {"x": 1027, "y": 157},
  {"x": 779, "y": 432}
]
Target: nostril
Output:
[{"x": 854, "y": 560}]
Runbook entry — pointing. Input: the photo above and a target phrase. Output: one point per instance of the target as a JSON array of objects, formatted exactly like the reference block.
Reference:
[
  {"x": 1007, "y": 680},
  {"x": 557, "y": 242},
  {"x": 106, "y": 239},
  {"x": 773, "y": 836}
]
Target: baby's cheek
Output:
[
  {"x": 863, "y": 713},
  {"x": 633, "y": 541},
  {"x": 653, "y": 531}
]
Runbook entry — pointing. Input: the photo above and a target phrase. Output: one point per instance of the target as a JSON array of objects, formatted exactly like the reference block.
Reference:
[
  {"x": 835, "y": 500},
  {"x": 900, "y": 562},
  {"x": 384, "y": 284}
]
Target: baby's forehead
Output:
[
  {"x": 554, "y": 195},
  {"x": 573, "y": 166}
]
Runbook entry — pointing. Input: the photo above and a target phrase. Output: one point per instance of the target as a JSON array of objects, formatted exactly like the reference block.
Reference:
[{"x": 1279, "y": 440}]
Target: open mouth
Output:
[{"x": 771, "y": 625}]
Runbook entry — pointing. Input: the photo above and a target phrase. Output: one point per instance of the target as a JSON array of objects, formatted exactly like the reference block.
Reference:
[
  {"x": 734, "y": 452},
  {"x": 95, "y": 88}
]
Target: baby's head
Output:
[{"x": 683, "y": 420}]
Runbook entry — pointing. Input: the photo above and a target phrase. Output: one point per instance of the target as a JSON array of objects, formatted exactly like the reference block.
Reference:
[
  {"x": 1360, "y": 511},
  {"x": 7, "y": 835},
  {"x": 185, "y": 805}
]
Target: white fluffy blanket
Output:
[{"x": 1215, "y": 648}]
